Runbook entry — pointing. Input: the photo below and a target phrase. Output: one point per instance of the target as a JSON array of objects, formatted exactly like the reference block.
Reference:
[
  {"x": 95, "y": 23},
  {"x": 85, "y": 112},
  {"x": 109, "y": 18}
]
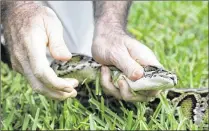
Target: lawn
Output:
[{"x": 177, "y": 32}]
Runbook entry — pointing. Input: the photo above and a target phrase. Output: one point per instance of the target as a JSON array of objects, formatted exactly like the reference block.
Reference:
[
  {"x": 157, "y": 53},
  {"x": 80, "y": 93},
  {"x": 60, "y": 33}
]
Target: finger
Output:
[
  {"x": 107, "y": 85},
  {"x": 122, "y": 60},
  {"x": 40, "y": 66},
  {"x": 49, "y": 77},
  {"x": 73, "y": 82},
  {"x": 50, "y": 92},
  {"x": 128, "y": 96},
  {"x": 38, "y": 87},
  {"x": 145, "y": 56},
  {"x": 57, "y": 46}
]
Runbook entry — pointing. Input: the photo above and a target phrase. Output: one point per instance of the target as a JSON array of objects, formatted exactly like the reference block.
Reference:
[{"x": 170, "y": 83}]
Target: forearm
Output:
[{"x": 112, "y": 13}]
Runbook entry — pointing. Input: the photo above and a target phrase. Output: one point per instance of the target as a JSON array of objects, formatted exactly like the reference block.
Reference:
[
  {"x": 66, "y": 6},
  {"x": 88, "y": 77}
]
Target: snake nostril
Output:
[{"x": 172, "y": 78}]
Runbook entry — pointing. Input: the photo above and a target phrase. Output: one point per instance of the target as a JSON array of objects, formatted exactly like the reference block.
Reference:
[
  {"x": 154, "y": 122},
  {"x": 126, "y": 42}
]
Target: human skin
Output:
[
  {"x": 113, "y": 46},
  {"x": 29, "y": 29},
  {"x": 24, "y": 22}
]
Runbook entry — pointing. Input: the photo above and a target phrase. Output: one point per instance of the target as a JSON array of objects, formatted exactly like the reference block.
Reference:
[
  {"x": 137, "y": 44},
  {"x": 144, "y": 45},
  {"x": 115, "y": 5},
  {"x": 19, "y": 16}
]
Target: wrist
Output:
[
  {"x": 108, "y": 28},
  {"x": 111, "y": 16}
]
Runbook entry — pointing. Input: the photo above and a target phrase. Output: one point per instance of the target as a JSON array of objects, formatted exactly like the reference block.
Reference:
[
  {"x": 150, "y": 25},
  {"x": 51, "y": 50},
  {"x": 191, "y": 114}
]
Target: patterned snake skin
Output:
[{"x": 193, "y": 102}]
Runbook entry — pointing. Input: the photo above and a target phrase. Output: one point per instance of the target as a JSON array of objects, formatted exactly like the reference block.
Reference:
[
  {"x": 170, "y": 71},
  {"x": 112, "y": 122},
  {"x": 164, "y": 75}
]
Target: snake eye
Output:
[{"x": 150, "y": 68}]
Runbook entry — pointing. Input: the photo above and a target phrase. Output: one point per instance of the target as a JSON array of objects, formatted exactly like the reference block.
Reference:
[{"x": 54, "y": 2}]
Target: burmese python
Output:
[{"x": 193, "y": 102}]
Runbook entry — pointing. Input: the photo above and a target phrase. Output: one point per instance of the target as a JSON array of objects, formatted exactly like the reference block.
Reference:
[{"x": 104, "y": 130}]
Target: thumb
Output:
[
  {"x": 57, "y": 46},
  {"x": 141, "y": 53},
  {"x": 58, "y": 49},
  {"x": 128, "y": 66}
]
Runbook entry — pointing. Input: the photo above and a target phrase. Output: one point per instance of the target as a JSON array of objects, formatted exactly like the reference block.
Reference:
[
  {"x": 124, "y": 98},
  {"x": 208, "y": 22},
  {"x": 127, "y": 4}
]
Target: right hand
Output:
[
  {"x": 112, "y": 46},
  {"x": 29, "y": 29}
]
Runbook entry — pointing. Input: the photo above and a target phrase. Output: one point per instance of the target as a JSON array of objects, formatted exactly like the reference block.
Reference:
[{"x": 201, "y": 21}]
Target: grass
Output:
[{"x": 177, "y": 32}]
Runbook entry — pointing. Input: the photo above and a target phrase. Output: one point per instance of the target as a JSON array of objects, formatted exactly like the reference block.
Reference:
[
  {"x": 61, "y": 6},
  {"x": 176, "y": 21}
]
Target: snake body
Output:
[
  {"x": 84, "y": 68},
  {"x": 193, "y": 102}
]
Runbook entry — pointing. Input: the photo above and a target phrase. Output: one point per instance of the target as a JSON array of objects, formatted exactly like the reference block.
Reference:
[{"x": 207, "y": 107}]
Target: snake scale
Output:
[{"x": 193, "y": 102}]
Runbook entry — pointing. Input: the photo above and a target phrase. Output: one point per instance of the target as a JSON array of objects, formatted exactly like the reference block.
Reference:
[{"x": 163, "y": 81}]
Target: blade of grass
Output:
[
  {"x": 156, "y": 113},
  {"x": 25, "y": 122},
  {"x": 96, "y": 103},
  {"x": 161, "y": 127},
  {"x": 98, "y": 88},
  {"x": 102, "y": 108},
  {"x": 91, "y": 122},
  {"x": 130, "y": 119},
  {"x": 143, "y": 125},
  {"x": 35, "y": 122}
]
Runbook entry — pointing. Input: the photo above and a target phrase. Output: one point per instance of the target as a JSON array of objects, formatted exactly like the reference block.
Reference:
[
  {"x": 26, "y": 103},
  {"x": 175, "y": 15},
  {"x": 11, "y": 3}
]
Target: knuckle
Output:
[
  {"x": 59, "y": 83},
  {"x": 118, "y": 57},
  {"x": 49, "y": 12},
  {"x": 38, "y": 72},
  {"x": 51, "y": 15},
  {"x": 65, "y": 96},
  {"x": 57, "y": 86},
  {"x": 114, "y": 57}
]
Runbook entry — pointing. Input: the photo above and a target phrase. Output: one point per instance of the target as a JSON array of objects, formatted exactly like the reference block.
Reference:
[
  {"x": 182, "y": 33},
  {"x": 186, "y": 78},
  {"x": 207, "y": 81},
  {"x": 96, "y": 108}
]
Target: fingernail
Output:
[
  {"x": 137, "y": 75},
  {"x": 75, "y": 83},
  {"x": 65, "y": 55}
]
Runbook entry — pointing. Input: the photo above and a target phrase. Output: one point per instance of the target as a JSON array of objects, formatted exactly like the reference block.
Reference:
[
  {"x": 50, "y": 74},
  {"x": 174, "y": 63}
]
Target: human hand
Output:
[
  {"x": 29, "y": 29},
  {"x": 115, "y": 47}
]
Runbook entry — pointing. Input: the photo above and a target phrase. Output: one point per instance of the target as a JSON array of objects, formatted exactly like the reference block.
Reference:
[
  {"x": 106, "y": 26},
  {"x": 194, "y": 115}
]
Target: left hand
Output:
[{"x": 127, "y": 54}]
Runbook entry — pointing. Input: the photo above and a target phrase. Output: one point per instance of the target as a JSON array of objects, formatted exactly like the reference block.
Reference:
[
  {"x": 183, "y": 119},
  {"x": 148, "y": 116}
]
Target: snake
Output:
[{"x": 192, "y": 102}]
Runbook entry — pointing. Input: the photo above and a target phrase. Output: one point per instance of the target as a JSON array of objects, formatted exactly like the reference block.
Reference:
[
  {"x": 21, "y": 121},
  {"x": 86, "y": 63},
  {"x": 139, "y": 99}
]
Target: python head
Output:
[{"x": 154, "y": 78}]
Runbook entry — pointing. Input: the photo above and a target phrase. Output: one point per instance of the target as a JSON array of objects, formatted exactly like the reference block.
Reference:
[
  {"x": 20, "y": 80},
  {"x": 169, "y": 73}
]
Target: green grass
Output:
[{"x": 177, "y": 32}]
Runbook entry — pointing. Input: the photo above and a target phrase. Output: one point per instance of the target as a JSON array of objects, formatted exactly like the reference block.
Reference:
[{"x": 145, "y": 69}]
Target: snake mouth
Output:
[{"x": 174, "y": 80}]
